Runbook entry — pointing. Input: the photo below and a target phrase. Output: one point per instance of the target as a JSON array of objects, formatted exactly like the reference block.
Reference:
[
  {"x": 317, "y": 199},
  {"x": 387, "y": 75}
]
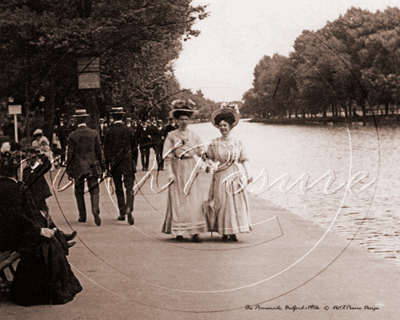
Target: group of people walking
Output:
[
  {"x": 26, "y": 225},
  {"x": 120, "y": 142},
  {"x": 149, "y": 134}
]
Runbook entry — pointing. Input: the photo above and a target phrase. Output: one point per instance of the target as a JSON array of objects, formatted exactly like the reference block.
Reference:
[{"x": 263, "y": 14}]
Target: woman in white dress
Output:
[
  {"x": 227, "y": 207},
  {"x": 184, "y": 216}
]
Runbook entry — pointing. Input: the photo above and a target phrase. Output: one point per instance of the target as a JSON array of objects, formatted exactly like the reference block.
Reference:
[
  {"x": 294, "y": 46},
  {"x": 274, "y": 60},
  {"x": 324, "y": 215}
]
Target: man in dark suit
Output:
[
  {"x": 72, "y": 125},
  {"x": 135, "y": 127},
  {"x": 145, "y": 144},
  {"x": 62, "y": 133},
  {"x": 85, "y": 161},
  {"x": 158, "y": 135},
  {"x": 170, "y": 126},
  {"x": 119, "y": 147},
  {"x": 102, "y": 129}
]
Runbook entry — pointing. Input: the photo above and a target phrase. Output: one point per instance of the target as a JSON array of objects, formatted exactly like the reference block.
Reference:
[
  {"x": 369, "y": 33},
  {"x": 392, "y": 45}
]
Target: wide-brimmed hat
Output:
[
  {"x": 117, "y": 110},
  {"x": 38, "y": 132},
  {"x": 80, "y": 113},
  {"x": 181, "y": 105},
  {"x": 226, "y": 107}
]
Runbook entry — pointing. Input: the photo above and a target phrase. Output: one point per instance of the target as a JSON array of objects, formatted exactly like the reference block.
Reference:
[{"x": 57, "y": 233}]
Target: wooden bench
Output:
[{"x": 6, "y": 260}]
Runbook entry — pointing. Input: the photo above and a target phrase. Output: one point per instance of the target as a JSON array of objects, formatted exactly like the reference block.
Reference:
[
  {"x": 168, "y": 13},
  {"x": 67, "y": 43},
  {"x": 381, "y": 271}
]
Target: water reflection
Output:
[{"x": 314, "y": 150}]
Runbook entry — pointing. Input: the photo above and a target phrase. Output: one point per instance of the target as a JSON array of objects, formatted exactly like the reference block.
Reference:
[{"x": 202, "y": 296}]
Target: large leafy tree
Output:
[
  {"x": 368, "y": 47},
  {"x": 265, "y": 96},
  {"x": 136, "y": 41},
  {"x": 354, "y": 60},
  {"x": 382, "y": 55},
  {"x": 352, "y": 29},
  {"x": 316, "y": 69}
]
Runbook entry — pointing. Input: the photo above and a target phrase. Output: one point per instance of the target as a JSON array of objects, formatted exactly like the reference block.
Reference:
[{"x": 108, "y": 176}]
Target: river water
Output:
[{"x": 362, "y": 159}]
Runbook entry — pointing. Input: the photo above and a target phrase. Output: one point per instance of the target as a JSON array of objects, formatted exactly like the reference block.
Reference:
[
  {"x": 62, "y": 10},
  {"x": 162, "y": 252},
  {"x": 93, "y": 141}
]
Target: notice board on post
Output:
[
  {"x": 14, "y": 109},
  {"x": 89, "y": 73}
]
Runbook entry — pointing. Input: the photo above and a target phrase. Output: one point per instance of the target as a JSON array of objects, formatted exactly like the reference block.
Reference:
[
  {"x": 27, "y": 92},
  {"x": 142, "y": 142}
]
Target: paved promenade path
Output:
[{"x": 136, "y": 272}]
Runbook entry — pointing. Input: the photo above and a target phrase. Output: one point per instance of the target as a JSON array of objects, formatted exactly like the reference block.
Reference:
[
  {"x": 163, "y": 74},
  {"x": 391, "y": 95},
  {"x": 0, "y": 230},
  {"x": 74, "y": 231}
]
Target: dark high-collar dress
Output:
[{"x": 43, "y": 275}]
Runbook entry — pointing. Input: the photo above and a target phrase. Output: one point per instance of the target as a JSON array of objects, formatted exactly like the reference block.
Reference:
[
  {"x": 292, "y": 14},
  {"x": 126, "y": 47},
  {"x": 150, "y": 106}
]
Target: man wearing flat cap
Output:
[
  {"x": 85, "y": 162},
  {"x": 119, "y": 147}
]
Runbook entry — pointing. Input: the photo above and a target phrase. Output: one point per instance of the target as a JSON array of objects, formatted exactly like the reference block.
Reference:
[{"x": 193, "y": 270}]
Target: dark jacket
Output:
[
  {"x": 119, "y": 146},
  {"x": 17, "y": 231},
  {"x": 35, "y": 182},
  {"x": 170, "y": 128},
  {"x": 62, "y": 133},
  {"x": 144, "y": 135},
  {"x": 85, "y": 155},
  {"x": 43, "y": 275},
  {"x": 103, "y": 131},
  {"x": 158, "y": 135}
]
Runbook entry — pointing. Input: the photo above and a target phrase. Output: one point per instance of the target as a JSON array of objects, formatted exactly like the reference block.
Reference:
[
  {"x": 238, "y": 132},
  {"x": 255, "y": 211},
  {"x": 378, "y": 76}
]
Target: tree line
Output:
[
  {"x": 136, "y": 41},
  {"x": 350, "y": 66}
]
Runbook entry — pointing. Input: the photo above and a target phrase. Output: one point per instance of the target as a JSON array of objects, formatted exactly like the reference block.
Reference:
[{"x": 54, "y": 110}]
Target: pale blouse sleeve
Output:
[
  {"x": 243, "y": 155},
  {"x": 210, "y": 151}
]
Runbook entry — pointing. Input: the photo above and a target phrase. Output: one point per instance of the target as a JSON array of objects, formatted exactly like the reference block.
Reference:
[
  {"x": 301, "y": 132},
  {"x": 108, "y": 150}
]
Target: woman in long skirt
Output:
[
  {"x": 184, "y": 216},
  {"x": 227, "y": 208},
  {"x": 43, "y": 275}
]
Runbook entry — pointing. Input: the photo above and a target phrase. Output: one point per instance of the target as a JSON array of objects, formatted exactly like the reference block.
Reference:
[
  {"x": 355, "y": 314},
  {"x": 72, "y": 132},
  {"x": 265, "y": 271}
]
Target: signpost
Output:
[
  {"x": 89, "y": 80},
  {"x": 15, "y": 109},
  {"x": 89, "y": 73}
]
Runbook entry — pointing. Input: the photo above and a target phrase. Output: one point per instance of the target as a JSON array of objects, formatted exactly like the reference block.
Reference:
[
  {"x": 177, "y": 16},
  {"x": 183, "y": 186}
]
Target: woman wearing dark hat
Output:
[
  {"x": 183, "y": 216},
  {"x": 43, "y": 275},
  {"x": 227, "y": 207}
]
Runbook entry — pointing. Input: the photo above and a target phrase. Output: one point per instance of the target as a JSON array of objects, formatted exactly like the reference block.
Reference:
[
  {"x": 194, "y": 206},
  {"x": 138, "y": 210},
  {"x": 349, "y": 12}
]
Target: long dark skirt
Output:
[{"x": 44, "y": 276}]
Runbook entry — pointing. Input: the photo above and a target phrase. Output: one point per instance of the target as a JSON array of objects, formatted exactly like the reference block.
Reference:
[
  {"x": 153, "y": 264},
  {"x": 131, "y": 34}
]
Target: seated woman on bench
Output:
[{"x": 43, "y": 275}]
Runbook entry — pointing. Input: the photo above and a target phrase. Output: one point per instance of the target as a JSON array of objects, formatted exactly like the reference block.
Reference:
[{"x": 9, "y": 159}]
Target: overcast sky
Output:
[{"x": 238, "y": 33}]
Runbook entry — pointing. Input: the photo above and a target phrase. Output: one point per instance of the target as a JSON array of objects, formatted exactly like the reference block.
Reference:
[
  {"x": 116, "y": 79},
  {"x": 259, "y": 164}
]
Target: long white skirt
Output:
[{"x": 184, "y": 215}]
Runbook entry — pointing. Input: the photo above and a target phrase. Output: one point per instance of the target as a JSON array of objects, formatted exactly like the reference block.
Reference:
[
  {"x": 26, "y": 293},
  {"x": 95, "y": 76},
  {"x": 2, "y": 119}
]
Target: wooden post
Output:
[
  {"x": 15, "y": 128},
  {"x": 14, "y": 110}
]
